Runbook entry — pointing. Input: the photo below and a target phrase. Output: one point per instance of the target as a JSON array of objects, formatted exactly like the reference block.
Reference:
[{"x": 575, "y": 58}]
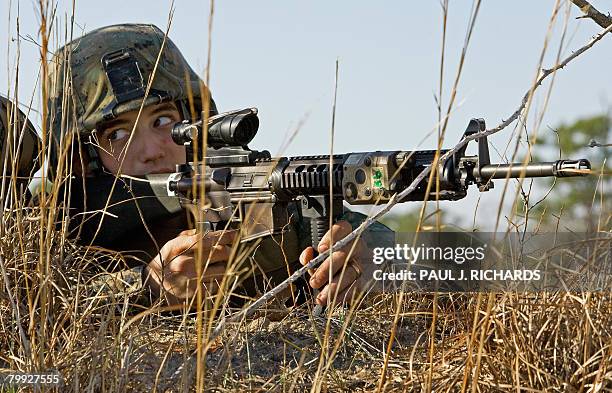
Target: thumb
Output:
[
  {"x": 306, "y": 256},
  {"x": 184, "y": 242}
]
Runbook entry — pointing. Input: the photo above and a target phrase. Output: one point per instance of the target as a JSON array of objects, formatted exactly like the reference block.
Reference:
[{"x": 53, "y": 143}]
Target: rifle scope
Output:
[{"x": 235, "y": 128}]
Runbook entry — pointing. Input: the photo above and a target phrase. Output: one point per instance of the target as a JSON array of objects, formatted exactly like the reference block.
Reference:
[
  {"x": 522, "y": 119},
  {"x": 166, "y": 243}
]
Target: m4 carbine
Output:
[{"x": 252, "y": 190}]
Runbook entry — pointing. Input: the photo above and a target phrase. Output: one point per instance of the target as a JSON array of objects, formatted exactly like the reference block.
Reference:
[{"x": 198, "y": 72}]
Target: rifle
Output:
[{"x": 250, "y": 190}]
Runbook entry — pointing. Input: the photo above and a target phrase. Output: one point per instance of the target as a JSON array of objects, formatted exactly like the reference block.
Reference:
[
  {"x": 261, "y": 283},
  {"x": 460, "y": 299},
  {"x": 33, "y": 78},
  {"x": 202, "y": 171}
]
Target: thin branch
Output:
[{"x": 592, "y": 13}]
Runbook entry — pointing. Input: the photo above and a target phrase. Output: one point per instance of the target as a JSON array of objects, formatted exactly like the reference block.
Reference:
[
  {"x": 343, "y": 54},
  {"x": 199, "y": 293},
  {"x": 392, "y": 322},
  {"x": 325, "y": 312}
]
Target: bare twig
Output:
[{"x": 592, "y": 13}]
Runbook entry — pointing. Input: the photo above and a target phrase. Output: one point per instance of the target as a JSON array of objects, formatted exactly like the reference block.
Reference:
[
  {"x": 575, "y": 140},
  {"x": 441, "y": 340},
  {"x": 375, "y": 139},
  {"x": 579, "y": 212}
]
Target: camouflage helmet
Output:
[
  {"x": 108, "y": 70},
  {"x": 19, "y": 143}
]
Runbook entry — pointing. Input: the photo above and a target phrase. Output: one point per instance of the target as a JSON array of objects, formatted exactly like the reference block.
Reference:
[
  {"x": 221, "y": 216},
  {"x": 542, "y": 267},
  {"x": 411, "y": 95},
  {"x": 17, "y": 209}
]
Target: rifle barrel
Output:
[{"x": 560, "y": 168}]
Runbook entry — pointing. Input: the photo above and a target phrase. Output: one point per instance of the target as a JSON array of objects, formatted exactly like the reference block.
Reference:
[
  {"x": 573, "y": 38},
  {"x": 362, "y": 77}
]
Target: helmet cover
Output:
[
  {"x": 19, "y": 142},
  {"x": 104, "y": 73}
]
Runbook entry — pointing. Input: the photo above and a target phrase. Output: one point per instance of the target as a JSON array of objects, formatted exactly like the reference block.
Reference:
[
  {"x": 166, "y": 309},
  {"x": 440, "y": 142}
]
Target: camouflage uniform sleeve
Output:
[
  {"x": 119, "y": 286},
  {"x": 376, "y": 235},
  {"x": 379, "y": 235}
]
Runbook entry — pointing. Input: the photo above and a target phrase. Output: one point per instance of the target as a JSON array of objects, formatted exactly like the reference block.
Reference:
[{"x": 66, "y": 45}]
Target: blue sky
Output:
[{"x": 280, "y": 57}]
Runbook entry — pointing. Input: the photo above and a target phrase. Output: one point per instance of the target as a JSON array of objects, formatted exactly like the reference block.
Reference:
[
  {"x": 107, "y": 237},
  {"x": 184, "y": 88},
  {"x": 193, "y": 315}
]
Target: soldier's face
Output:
[{"x": 151, "y": 149}]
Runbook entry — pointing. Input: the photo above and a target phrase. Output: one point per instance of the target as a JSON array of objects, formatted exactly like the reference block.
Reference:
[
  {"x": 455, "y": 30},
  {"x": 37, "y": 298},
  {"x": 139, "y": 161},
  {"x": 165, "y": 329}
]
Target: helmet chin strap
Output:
[
  {"x": 183, "y": 110},
  {"x": 94, "y": 164}
]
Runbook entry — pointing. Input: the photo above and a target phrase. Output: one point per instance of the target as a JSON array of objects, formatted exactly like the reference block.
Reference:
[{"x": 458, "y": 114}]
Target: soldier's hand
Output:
[
  {"x": 173, "y": 272},
  {"x": 341, "y": 275}
]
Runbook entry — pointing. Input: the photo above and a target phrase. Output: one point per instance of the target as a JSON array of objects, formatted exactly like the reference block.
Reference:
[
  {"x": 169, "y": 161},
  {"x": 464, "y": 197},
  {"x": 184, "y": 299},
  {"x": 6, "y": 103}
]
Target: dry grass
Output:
[
  {"x": 50, "y": 319},
  {"x": 480, "y": 342}
]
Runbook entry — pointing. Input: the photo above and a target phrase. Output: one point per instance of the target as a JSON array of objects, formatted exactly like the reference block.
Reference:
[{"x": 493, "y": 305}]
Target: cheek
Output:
[
  {"x": 176, "y": 152},
  {"x": 112, "y": 162},
  {"x": 109, "y": 162}
]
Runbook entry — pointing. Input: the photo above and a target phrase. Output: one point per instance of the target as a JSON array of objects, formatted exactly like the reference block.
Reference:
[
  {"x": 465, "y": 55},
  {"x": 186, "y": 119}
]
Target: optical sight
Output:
[{"x": 234, "y": 128}]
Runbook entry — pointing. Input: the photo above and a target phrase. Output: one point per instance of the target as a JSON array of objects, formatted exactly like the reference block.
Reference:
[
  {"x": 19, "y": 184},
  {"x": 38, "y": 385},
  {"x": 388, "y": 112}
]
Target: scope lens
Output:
[
  {"x": 246, "y": 128},
  {"x": 234, "y": 130},
  {"x": 183, "y": 133}
]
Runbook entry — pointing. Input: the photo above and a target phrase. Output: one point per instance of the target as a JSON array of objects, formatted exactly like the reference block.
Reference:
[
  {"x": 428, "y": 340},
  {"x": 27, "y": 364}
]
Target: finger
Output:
[
  {"x": 218, "y": 253},
  {"x": 212, "y": 276},
  {"x": 214, "y": 273},
  {"x": 224, "y": 237},
  {"x": 186, "y": 242},
  {"x": 348, "y": 282},
  {"x": 186, "y": 267},
  {"x": 338, "y": 231},
  {"x": 306, "y": 256},
  {"x": 327, "y": 294},
  {"x": 186, "y": 288},
  {"x": 333, "y": 263}
]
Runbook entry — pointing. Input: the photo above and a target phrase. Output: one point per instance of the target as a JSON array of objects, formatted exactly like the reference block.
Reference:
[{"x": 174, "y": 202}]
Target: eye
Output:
[
  {"x": 163, "y": 121},
  {"x": 117, "y": 135}
]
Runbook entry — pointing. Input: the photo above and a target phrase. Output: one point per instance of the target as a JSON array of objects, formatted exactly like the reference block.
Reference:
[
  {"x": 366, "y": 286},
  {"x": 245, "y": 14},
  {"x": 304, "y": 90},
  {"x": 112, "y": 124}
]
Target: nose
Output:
[{"x": 152, "y": 145}]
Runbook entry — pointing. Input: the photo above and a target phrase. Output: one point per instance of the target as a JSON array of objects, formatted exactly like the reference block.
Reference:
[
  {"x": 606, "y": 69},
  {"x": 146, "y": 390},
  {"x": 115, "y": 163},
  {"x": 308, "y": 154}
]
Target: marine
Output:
[
  {"x": 19, "y": 150},
  {"x": 116, "y": 94}
]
